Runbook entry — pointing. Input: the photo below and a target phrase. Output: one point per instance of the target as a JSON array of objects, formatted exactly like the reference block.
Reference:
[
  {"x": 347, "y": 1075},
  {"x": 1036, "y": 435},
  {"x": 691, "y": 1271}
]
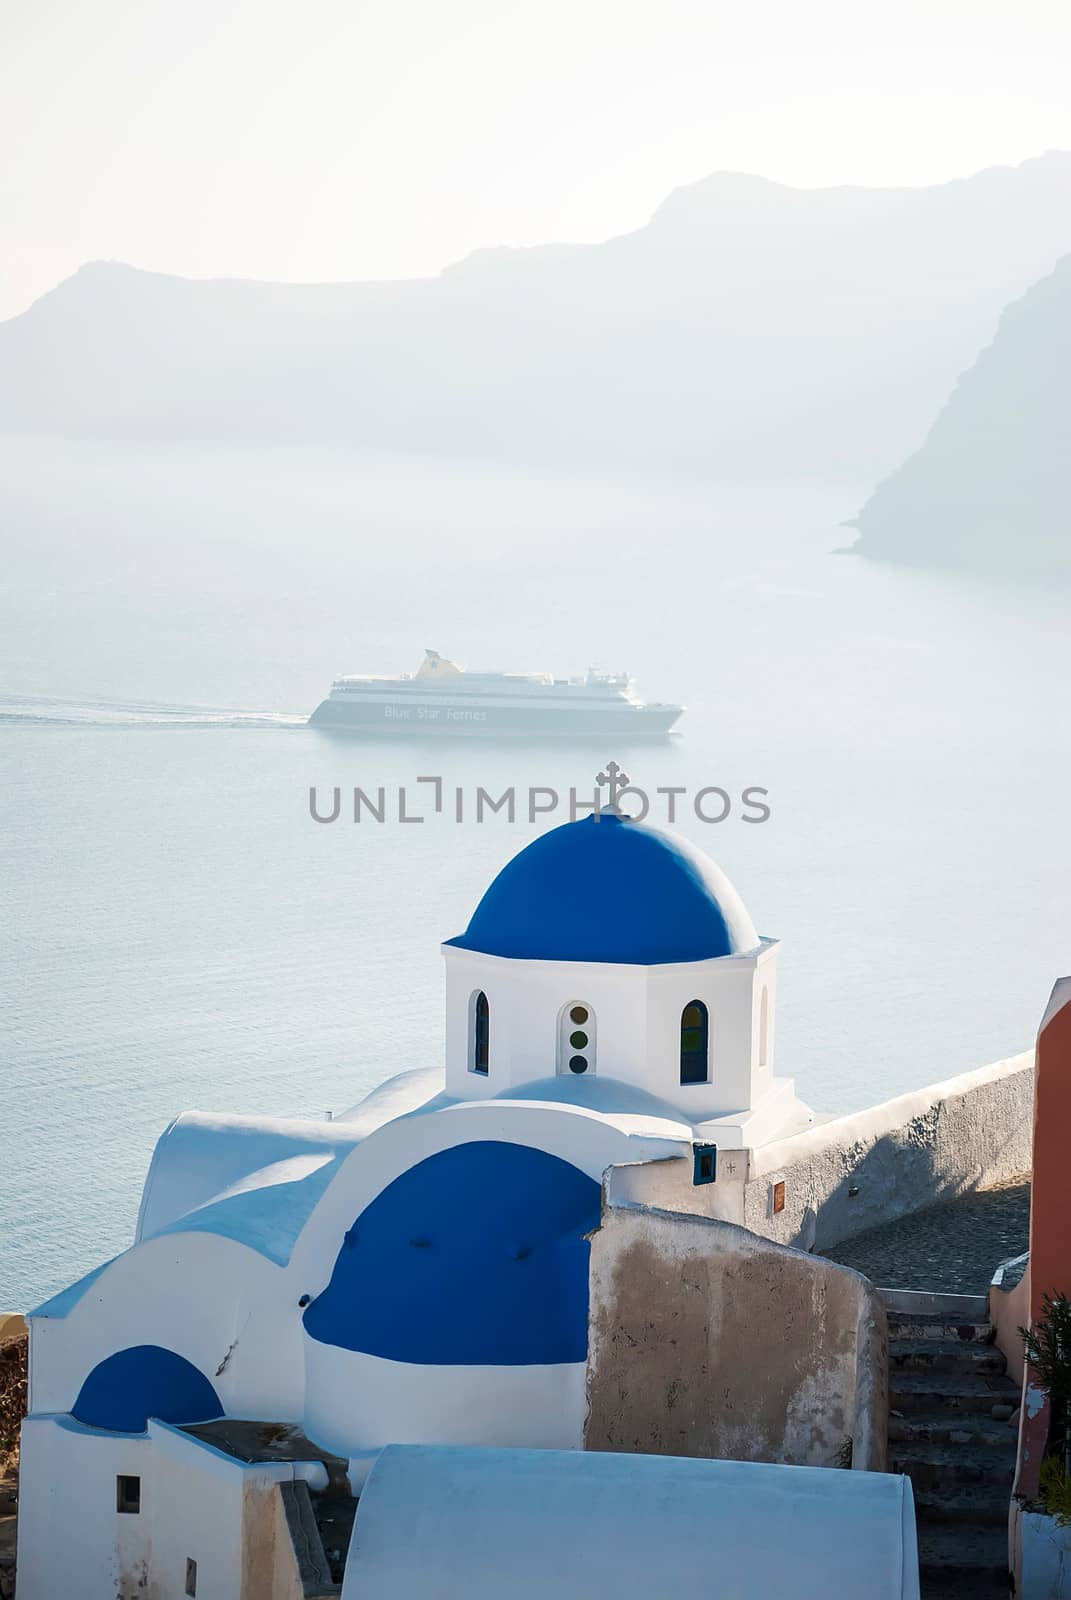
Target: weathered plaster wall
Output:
[
  {"x": 260, "y": 1500},
  {"x": 709, "y": 1341},
  {"x": 1009, "y": 1310},
  {"x": 846, "y": 1175}
]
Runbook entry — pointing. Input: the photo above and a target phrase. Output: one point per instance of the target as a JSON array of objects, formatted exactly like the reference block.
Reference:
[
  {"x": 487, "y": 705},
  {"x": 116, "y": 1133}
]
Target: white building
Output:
[
  {"x": 634, "y": 1527},
  {"x": 416, "y": 1271}
]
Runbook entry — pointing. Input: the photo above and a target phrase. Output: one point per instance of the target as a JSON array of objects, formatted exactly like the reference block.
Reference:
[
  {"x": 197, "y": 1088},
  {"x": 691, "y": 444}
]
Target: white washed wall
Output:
[
  {"x": 72, "y": 1541},
  {"x": 211, "y": 1300},
  {"x": 196, "y": 1502},
  {"x": 638, "y": 1012}
]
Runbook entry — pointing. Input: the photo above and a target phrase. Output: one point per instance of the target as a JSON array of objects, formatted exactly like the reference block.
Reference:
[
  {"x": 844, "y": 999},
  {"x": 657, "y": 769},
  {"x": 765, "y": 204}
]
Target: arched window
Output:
[
  {"x": 764, "y": 1027},
  {"x": 576, "y": 1038},
  {"x": 481, "y": 1033},
  {"x": 694, "y": 1042}
]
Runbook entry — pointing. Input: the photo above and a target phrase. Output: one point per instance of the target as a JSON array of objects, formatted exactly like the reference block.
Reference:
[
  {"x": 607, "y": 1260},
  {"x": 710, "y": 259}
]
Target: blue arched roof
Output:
[
  {"x": 608, "y": 889},
  {"x": 143, "y": 1381},
  {"x": 476, "y": 1256}
]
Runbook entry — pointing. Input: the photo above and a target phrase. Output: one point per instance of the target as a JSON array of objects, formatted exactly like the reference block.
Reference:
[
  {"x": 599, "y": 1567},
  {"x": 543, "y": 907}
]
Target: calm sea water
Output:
[{"x": 178, "y": 933}]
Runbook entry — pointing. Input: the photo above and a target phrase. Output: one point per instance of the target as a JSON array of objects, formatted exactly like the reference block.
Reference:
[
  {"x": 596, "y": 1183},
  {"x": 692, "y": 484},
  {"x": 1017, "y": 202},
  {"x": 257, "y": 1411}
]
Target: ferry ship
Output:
[{"x": 442, "y": 697}]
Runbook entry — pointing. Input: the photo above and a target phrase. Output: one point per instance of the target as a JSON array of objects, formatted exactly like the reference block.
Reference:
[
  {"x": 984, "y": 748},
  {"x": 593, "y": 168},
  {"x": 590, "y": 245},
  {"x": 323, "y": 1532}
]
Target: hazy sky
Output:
[{"x": 333, "y": 139}]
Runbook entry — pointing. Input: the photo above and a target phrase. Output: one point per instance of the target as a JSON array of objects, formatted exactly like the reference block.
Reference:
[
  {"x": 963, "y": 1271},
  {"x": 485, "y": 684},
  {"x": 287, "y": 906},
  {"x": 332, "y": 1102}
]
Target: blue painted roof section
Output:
[
  {"x": 607, "y": 889},
  {"x": 146, "y": 1380},
  {"x": 476, "y": 1256}
]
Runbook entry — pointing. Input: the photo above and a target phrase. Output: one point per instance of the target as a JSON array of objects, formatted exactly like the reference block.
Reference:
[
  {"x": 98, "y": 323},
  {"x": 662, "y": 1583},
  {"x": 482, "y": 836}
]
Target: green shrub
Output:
[
  {"x": 1056, "y": 1492},
  {"x": 1048, "y": 1350}
]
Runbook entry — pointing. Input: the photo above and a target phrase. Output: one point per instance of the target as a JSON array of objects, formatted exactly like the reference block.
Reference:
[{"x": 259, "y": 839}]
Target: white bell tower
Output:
[{"x": 610, "y": 961}]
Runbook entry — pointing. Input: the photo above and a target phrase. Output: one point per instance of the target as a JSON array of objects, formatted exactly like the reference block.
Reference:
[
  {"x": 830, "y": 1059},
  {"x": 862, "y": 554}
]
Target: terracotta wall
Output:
[{"x": 1050, "y": 1233}]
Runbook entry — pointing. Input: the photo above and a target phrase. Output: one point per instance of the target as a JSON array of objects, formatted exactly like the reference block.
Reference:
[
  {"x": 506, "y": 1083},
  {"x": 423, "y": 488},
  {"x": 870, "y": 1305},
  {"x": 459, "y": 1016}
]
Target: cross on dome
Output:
[{"x": 616, "y": 779}]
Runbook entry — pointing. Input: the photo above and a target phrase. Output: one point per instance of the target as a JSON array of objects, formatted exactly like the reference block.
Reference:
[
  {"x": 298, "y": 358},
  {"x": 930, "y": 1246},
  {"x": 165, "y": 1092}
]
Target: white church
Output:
[{"x": 382, "y": 1322}]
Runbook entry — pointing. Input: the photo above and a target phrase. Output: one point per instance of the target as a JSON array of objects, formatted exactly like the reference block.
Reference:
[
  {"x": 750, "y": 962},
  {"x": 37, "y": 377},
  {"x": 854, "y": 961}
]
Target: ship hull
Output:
[{"x": 387, "y": 716}]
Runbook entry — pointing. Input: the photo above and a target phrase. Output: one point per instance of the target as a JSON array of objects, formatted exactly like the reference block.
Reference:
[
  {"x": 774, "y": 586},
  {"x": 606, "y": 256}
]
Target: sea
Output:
[{"x": 178, "y": 931}]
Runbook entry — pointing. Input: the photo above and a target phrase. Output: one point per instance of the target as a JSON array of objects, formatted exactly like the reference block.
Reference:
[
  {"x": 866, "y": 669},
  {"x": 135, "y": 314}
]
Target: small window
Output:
[
  {"x": 704, "y": 1163},
  {"x": 481, "y": 1034},
  {"x": 694, "y": 1040},
  {"x": 576, "y": 1038},
  {"x": 191, "y": 1576},
  {"x": 128, "y": 1495}
]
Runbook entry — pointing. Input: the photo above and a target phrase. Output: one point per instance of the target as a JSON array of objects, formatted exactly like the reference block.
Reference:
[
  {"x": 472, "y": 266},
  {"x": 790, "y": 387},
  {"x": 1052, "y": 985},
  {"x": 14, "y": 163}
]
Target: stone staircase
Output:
[
  {"x": 335, "y": 1511},
  {"x": 950, "y": 1431},
  {"x": 320, "y": 1524}
]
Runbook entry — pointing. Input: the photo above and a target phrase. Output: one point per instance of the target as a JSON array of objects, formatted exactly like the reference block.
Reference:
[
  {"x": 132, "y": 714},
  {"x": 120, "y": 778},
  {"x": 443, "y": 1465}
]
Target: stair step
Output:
[
  {"x": 335, "y": 1513},
  {"x": 912, "y": 1391},
  {"x": 930, "y": 1325},
  {"x": 951, "y": 1467},
  {"x": 958, "y": 1307},
  {"x": 968, "y": 1430},
  {"x": 923, "y": 1355},
  {"x": 980, "y": 1586},
  {"x": 952, "y": 1553},
  {"x": 965, "y": 1504}
]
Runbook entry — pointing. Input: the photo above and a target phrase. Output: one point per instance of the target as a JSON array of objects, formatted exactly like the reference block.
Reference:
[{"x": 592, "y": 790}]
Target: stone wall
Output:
[
  {"x": 709, "y": 1341},
  {"x": 849, "y": 1174}
]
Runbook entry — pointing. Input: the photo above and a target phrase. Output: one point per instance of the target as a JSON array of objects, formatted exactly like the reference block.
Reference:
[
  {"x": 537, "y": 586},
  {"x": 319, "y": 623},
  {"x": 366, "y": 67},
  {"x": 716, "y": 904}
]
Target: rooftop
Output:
[{"x": 610, "y": 889}]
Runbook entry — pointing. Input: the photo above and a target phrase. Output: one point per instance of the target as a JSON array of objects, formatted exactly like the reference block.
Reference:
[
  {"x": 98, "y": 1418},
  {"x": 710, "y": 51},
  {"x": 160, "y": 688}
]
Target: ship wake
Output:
[{"x": 42, "y": 710}]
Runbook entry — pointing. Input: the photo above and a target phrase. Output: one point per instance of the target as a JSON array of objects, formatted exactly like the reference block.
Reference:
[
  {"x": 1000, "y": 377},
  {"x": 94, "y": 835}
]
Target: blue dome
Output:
[
  {"x": 425, "y": 1276},
  {"x": 607, "y": 889}
]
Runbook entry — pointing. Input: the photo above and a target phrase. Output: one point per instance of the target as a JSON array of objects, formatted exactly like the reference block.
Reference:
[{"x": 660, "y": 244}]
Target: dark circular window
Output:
[
  {"x": 578, "y": 1040},
  {"x": 578, "y": 1014},
  {"x": 578, "y": 1063}
]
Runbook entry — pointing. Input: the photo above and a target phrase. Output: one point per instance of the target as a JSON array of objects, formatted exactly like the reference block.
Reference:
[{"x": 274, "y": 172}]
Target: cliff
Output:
[
  {"x": 991, "y": 486},
  {"x": 749, "y": 330}
]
